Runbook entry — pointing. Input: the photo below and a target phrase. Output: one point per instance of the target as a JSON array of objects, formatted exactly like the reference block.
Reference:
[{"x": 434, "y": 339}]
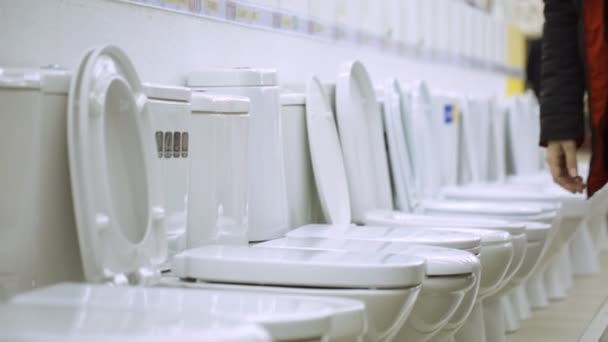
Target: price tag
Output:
[{"x": 448, "y": 114}]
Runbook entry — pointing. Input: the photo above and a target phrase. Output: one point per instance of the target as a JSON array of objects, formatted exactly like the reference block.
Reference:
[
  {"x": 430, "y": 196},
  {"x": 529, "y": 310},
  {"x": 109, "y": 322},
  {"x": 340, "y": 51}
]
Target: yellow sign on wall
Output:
[{"x": 516, "y": 58}]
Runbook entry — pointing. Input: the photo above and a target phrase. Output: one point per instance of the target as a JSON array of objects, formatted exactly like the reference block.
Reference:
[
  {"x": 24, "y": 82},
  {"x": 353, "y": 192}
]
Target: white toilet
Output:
[
  {"x": 118, "y": 208},
  {"x": 32, "y": 322}
]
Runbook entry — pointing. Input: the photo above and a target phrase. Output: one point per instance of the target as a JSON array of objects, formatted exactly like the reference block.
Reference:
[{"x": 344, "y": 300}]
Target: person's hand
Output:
[{"x": 561, "y": 156}]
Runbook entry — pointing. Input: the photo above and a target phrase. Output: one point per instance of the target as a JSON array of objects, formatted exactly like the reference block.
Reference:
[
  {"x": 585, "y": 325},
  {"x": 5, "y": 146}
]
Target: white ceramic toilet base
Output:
[
  {"x": 494, "y": 320},
  {"x": 602, "y": 242},
  {"x": 511, "y": 318},
  {"x": 584, "y": 257},
  {"x": 474, "y": 328},
  {"x": 553, "y": 281},
  {"x": 537, "y": 294},
  {"x": 521, "y": 303},
  {"x": 566, "y": 267}
]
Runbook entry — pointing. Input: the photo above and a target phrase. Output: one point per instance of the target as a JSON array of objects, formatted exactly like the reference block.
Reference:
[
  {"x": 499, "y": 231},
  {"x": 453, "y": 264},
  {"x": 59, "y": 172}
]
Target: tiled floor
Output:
[{"x": 581, "y": 317}]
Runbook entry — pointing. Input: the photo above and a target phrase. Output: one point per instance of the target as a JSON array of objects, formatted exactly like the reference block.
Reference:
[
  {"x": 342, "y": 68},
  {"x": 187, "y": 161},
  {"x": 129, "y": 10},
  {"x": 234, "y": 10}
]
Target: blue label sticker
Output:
[{"x": 448, "y": 114}]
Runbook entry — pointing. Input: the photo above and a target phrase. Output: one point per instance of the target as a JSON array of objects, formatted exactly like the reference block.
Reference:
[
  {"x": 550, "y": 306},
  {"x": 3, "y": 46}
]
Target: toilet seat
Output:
[
  {"x": 439, "y": 261},
  {"x": 107, "y": 119},
  {"x": 284, "y": 317},
  {"x": 483, "y": 208},
  {"x": 573, "y": 205},
  {"x": 286, "y": 267},
  {"x": 423, "y": 236},
  {"x": 32, "y": 322}
]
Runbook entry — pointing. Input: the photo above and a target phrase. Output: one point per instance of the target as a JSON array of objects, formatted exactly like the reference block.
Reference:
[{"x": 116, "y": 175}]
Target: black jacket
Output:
[{"x": 562, "y": 72}]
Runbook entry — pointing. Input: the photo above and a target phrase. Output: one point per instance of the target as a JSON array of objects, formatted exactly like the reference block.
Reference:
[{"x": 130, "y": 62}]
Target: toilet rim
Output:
[
  {"x": 456, "y": 240},
  {"x": 303, "y": 314},
  {"x": 32, "y": 323}
]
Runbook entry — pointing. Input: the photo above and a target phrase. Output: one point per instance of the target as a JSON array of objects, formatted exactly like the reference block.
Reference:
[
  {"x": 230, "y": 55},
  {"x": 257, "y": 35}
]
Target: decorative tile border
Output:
[{"x": 243, "y": 13}]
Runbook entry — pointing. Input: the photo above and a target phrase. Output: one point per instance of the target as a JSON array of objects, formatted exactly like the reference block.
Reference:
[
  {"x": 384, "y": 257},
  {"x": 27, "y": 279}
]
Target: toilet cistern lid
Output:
[
  {"x": 207, "y": 103},
  {"x": 165, "y": 92},
  {"x": 117, "y": 205},
  {"x": 50, "y": 81},
  {"x": 235, "y": 77},
  {"x": 293, "y": 99}
]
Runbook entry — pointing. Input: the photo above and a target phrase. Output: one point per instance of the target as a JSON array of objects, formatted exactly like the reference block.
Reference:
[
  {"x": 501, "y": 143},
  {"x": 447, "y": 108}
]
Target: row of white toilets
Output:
[{"x": 217, "y": 185}]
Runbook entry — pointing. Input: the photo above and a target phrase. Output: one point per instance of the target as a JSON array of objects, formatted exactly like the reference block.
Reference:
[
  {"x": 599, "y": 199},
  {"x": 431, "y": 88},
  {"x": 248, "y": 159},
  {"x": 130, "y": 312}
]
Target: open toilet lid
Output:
[
  {"x": 326, "y": 155},
  {"x": 361, "y": 137},
  {"x": 110, "y": 143}
]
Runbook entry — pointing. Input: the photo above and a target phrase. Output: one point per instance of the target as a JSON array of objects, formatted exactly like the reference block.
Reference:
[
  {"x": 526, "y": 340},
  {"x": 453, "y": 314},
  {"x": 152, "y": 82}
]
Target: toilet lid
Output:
[
  {"x": 497, "y": 193},
  {"x": 439, "y": 261},
  {"x": 418, "y": 220},
  {"x": 488, "y": 237},
  {"x": 425, "y": 236},
  {"x": 326, "y": 155},
  {"x": 300, "y": 268},
  {"x": 285, "y": 317},
  {"x": 399, "y": 155},
  {"x": 536, "y": 231},
  {"x": 111, "y": 149},
  {"x": 33, "y": 322},
  {"x": 480, "y": 208},
  {"x": 362, "y": 141}
]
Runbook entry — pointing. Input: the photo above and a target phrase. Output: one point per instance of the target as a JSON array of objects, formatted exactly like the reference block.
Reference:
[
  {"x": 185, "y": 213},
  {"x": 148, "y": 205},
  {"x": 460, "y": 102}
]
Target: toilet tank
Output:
[
  {"x": 38, "y": 241},
  {"x": 302, "y": 197},
  {"x": 218, "y": 204},
  {"x": 268, "y": 213},
  {"x": 169, "y": 107}
]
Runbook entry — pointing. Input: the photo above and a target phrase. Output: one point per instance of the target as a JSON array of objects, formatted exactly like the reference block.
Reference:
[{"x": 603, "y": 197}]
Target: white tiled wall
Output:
[{"x": 165, "y": 45}]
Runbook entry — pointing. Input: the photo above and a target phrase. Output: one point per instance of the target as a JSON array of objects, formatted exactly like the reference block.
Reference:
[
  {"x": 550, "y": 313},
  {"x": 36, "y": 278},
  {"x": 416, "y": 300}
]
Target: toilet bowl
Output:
[
  {"x": 573, "y": 211},
  {"x": 117, "y": 205},
  {"x": 452, "y": 277},
  {"x": 33, "y": 322},
  {"x": 495, "y": 253}
]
